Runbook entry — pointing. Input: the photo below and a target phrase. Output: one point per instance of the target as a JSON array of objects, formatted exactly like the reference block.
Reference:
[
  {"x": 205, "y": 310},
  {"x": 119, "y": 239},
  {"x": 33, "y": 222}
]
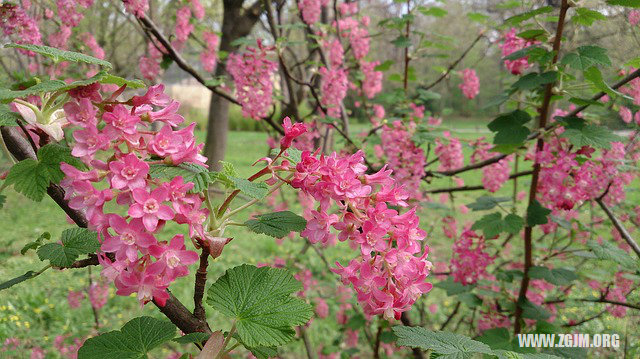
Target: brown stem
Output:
[
  {"x": 453, "y": 313},
  {"x": 311, "y": 354},
  {"x": 533, "y": 190},
  {"x": 407, "y": 59},
  {"x": 475, "y": 188},
  {"x": 620, "y": 227},
  {"x": 376, "y": 343},
  {"x": 96, "y": 317},
  {"x": 200, "y": 282}
]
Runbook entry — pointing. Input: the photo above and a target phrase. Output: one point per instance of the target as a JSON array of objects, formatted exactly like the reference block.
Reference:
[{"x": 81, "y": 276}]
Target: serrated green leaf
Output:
[
  {"x": 190, "y": 172},
  {"x": 534, "y": 80},
  {"x": 30, "y": 179},
  {"x": 513, "y": 223},
  {"x": 58, "y": 55},
  {"x": 252, "y": 189},
  {"x": 259, "y": 301},
  {"x": 587, "y": 56},
  {"x": 385, "y": 66},
  {"x": 133, "y": 341},
  {"x": 7, "y": 95},
  {"x": 610, "y": 252},
  {"x": 536, "y": 214},
  {"x": 556, "y": 276},
  {"x": 50, "y": 157},
  {"x": 493, "y": 224},
  {"x": 586, "y": 16},
  {"x": 75, "y": 241},
  {"x": 533, "y": 311},
  {"x": 496, "y": 338},
  {"x": 533, "y": 34},
  {"x": 120, "y": 81},
  {"x": 594, "y": 76},
  {"x": 533, "y": 51},
  {"x": 582, "y": 134},
  {"x": 510, "y": 129},
  {"x": 277, "y": 224},
  {"x": 35, "y": 244},
  {"x": 448, "y": 345},
  {"x": 516, "y": 19},
  {"x": 196, "y": 337},
  {"x": 401, "y": 41}
]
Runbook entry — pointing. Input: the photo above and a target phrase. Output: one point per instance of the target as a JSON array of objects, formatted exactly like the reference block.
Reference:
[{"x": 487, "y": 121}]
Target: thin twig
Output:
[{"x": 455, "y": 63}]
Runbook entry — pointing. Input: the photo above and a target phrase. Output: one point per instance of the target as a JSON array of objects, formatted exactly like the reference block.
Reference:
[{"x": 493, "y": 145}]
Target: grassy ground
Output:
[{"x": 37, "y": 311}]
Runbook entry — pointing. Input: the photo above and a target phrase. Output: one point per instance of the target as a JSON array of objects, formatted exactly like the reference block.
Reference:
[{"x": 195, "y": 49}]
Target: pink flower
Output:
[
  {"x": 173, "y": 258},
  {"x": 372, "y": 83},
  {"x": 291, "y": 132},
  {"x": 209, "y": 57},
  {"x": 129, "y": 238},
  {"x": 121, "y": 120},
  {"x": 166, "y": 142},
  {"x": 322, "y": 309},
  {"x": 92, "y": 44},
  {"x": 130, "y": 173},
  {"x": 469, "y": 261},
  {"x": 511, "y": 44},
  {"x": 470, "y": 85},
  {"x": 82, "y": 113},
  {"x": 334, "y": 89},
  {"x": 136, "y": 7},
  {"x": 148, "y": 284},
  {"x": 74, "y": 298},
  {"x": 155, "y": 96},
  {"x": 626, "y": 114},
  {"x": 88, "y": 142},
  {"x": 183, "y": 26},
  {"x": 98, "y": 295},
  {"x": 149, "y": 207},
  {"x": 634, "y": 17},
  {"x": 310, "y": 10}
]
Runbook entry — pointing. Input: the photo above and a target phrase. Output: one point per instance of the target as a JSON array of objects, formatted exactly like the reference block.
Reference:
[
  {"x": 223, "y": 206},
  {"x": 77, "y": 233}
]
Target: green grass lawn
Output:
[{"x": 36, "y": 311}]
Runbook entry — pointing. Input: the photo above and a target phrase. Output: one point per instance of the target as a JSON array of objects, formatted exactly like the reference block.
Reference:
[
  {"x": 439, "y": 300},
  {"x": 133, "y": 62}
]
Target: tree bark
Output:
[{"x": 236, "y": 23}]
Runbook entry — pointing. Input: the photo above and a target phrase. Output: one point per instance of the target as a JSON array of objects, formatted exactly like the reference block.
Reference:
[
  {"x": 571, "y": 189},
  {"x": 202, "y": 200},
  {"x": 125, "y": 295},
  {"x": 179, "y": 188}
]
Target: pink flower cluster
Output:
[
  {"x": 470, "y": 85},
  {"x": 470, "y": 260},
  {"x": 209, "y": 56},
  {"x": 372, "y": 83},
  {"x": 136, "y": 7},
  {"x": 449, "y": 155},
  {"x": 512, "y": 43},
  {"x": 252, "y": 74},
  {"x": 334, "y": 89},
  {"x": 387, "y": 275},
  {"x": 402, "y": 155},
  {"x": 92, "y": 44},
  {"x": 150, "y": 64},
  {"x": 15, "y": 22},
  {"x": 634, "y": 17},
  {"x": 358, "y": 35},
  {"x": 493, "y": 175},
  {"x": 131, "y": 255},
  {"x": 68, "y": 11},
  {"x": 310, "y": 10},
  {"x": 183, "y": 26}
]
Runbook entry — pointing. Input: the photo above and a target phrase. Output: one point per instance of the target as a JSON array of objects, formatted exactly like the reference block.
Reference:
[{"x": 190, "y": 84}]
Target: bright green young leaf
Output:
[
  {"x": 75, "y": 241},
  {"x": 277, "y": 224},
  {"x": 533, "y": 34},
  {"x": 586, "y": 16},
  {"x": 484, "y": 203},
  {"x": 478, "y": 17},
  {"x": 50, "y": 157},
  {"x": 536, "y": 214},
  {"x": 556, "y": 276},
  {"x": 385, "y": 66},
  {"x": 196, "y": 174},
  {"x": 587, "y": 56},
  {"x": 535, "y": 53},
  {"x": 120, "y": 81},
  {"x": 133, "y": 341},
  {"x": 510, "y": 129},
  {"x": 35, "y": 244},
  {"x": 452, "y": 287},
  {"x": 252, "y": 189},
  {"x": 432, "y": 11},
  {"x": 58, "y": 55},
  {"x": 594, "y": 76},
  {"x": 259, "y": 301},
  {"x": 447, "y": 345},
  {"x": 534, "y": 80},
  {"x": 7, "y": 95}
]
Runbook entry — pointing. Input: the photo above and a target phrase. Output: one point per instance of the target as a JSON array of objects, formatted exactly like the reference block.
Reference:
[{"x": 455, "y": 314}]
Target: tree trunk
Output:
[{"x": 236, "y": 23}]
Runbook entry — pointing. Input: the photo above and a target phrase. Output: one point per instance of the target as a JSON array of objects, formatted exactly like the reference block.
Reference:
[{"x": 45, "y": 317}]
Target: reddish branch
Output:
[
  {"x": 474, "y": 188},
  {"x": 200, "y": 282},
  {"x": 455, "y": 63},
  {"x": 179, "y": 315},
  {"x": 528, "y": 230}
]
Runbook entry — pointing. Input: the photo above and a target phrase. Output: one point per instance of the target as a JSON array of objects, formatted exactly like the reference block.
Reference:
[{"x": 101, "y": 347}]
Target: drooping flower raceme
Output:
[
  {"x": 209, "y": 57},
  {"x": 512, "y": 43},
  {"x": 252, "y": 74},
  {"x": 130, "y": 254},
  {"x": 469, "y": 262},
  {"x": 470, "y": 85}
]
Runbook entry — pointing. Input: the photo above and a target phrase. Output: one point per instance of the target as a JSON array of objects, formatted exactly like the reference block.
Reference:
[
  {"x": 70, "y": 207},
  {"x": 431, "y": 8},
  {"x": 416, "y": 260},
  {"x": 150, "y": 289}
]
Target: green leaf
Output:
[
  {"x": 493, "y": 224},
  {"x": 532, "y": 311},
  {"x": 432, "y": 11},
  {"x": 452, "y": 287},
  {"x": 586, "y": 16},
  {"x": 3, "y": 198},
  {"x": 8, "y": 117},
  {"x": 627, "y": 3},
  {"x": 536, "y": 214},
  {"x": 133, "y": 341},
  {"x": 401, "y": 41},
  {"x": 190, "y": 172},
  {"x": 29, "y": 178},
  {"x": 610, "y": 252},
  {"x": 587, "y": 56},
  {"x": 533, "y": 34},
  {"x": 251, "y": 189},
  {"x": 594, "y": 76},
  {"x": 516, "y": 19},
  {"x": 484, "y": 203},
  {"x": 50, "y": 157},
  {"x": 385, "y": 66},
  {"x": 448, "y": 345},
  {"x": 13, "y": 281},
  {"x": 58, "y": 55},
  {"x": 496, "y": 338},
  {"x": 557, "y": 276},
  {"x": 580, "y": 133},
  {"x": 35, "y": 244},
  {"x": 277, "y": 224},
  {"x": 75, "y": 241},
  {"x": 120, "y": 81},
  {"x": 7, "y": 95},
  {"x": 533, "y": 51},
  {"x": 535, "y": 80},
  {"x": 478, "y": 17},
  {"x": 259, "y": 301},
  {"x": 196, "y": 337},
  {"x": 510, "y": 129}
]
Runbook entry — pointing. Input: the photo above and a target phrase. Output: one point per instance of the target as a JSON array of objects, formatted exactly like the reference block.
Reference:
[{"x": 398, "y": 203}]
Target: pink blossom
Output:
[
  {"x": 154, "y": 96},
  {"x": 136, "y": 7},
  {"x": 634, "y": 17},
  {"x": 68, "y": 13},
  {"x": 512, "y": 43},
  {"x": 148, "y": 284},
  {"x": 470, "y": 85},
  {"x": 470, "y": 260},
  {"x": 149, "y": 207},
  {"x": 198, "y": 9},
  {"x": 173, "y": 258},
  {"x": 92, "y": 44},
  {"x": 88, "y": 142},
  {"x": 291, "y": 132},
  {"x": 372, "y": 83},
  {"x": 130, "y": 173},
  {"x": 334, "y": 89},
  {"x": 82, "y": 113},
  {"x": 98, "y": 294},
  {"x": 209, "y": 56},
  {"x": 129, "y": 238},
  {"x": 74, "y": 298},
  {"x": 322, "y": 308},
  {"x": 183, "y": 26},
  {"x": 310, "y": 10},
  {"x": 626, "y": 114},
  {"x": 449, "y": 155},
  {"x": 121, "y": 121}
]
